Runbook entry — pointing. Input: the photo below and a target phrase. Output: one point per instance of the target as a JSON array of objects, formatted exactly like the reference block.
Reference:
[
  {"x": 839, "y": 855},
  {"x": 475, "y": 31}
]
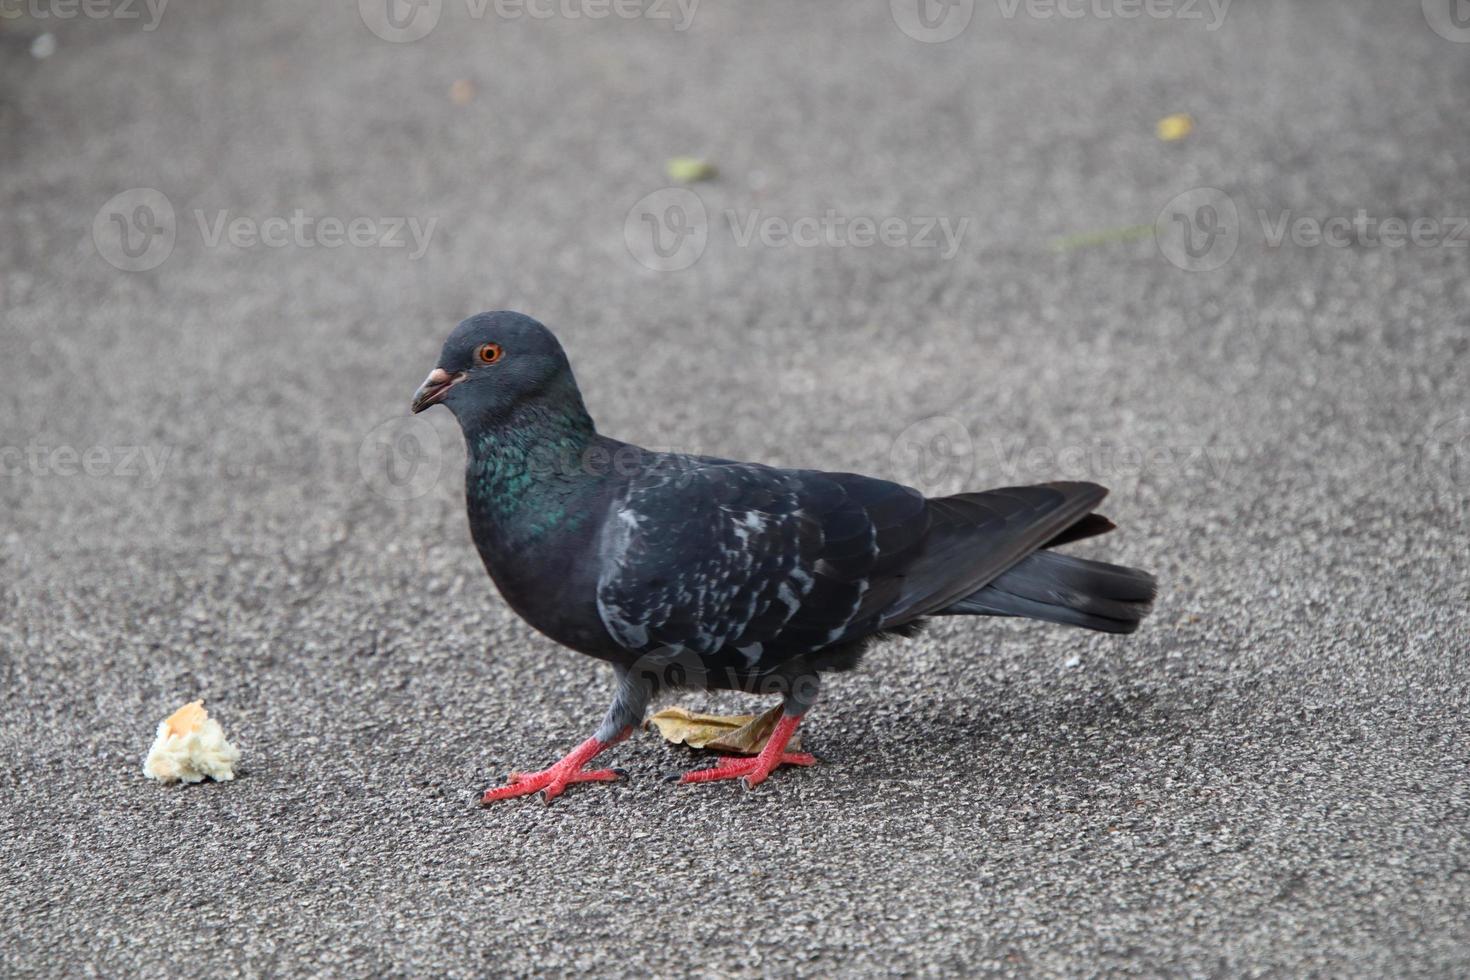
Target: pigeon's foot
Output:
[
  {"x": 551, "y": 782},
  {"x": 755, "y": 770}
]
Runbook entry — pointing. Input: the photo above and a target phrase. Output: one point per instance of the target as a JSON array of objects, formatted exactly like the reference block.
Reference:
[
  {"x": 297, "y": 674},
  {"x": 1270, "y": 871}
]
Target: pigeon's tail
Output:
[{"x": 1065, "y": 589}]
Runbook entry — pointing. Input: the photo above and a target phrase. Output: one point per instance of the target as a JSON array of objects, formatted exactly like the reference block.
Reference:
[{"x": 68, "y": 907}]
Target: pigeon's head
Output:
[{"x": 492, "y": 363}]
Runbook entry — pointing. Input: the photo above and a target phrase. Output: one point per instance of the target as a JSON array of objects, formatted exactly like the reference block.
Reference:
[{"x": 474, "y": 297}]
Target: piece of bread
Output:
[{"x": 190, "y": 746}]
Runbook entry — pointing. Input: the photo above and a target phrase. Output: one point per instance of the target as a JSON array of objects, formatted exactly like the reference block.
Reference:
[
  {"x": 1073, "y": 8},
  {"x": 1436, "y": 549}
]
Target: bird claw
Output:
[
  {"x": 753, "y": 771},
  {"x": 750, "y": 771},
  {"x": 550, "y": 783}
]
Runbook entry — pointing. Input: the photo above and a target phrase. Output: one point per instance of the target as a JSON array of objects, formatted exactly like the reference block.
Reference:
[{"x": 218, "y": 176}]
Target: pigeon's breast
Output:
[{"x": 542, "y": 558}]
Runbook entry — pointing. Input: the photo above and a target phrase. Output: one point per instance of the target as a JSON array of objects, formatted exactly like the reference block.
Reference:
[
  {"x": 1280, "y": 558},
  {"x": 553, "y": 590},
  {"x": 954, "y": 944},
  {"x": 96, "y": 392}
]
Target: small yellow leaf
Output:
[
  {"x": 736, "y": 734},
  {"x": 687, "y": 170},
  {"x": 1175, "y": 127}
]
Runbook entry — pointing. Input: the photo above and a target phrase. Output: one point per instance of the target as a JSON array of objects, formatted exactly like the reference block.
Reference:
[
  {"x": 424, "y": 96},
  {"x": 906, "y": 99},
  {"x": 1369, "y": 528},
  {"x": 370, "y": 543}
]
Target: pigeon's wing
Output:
[{"x": 750, "y": 564}]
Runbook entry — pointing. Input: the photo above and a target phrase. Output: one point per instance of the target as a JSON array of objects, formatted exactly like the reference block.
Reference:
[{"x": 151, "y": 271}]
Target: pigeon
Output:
[{"x": 686, "y": 571}]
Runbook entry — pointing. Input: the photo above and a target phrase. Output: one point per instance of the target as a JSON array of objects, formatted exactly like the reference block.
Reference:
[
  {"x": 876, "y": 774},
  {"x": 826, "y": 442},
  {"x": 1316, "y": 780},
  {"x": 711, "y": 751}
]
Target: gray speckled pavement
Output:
[{"x": 1269, "y": 779}]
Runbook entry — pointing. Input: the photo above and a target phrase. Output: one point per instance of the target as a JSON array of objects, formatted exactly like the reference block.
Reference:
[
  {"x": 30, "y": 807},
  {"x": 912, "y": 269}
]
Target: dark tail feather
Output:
[
  {"x": 1065, "y": 589},
  {"x": 1089, "y": 527}
]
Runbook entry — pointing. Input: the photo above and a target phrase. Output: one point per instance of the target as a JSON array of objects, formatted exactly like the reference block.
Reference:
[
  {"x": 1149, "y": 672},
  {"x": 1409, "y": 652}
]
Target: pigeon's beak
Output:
[{"x": 434, "y": 388}]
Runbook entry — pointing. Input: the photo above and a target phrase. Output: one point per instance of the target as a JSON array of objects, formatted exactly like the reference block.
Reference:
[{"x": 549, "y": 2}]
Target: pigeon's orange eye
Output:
[{"x": 488, "y": 353}]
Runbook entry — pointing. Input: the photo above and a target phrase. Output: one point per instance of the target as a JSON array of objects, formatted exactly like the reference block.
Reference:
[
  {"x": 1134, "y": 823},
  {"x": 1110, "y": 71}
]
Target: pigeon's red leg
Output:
[
  {"x": 626, "y": 711},
  {"x": 551, "y": 782},
  {"x": 755, "y": 770}
]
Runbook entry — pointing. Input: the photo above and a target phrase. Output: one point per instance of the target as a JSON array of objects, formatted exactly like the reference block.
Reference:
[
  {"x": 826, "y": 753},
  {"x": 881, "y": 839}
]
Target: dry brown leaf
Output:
[{"x": 735, "y": 734}]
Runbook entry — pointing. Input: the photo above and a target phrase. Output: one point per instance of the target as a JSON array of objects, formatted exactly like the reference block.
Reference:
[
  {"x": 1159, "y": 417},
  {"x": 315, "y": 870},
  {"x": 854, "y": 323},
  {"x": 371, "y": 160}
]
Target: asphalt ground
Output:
[{"x": 211, "y": 488}]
